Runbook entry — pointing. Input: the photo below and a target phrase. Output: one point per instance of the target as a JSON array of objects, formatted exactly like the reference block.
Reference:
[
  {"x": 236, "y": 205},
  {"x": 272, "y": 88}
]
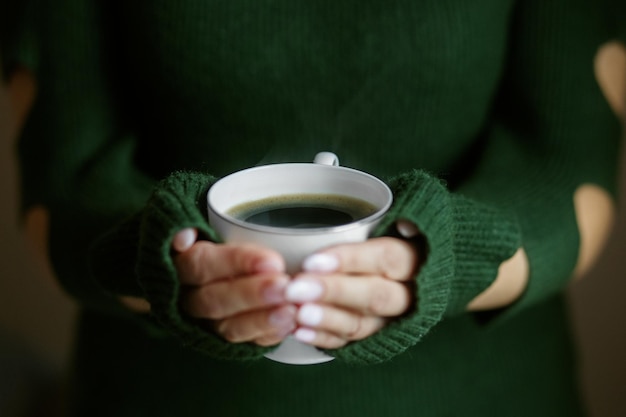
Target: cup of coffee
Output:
[{"x": 298, "y": 209}]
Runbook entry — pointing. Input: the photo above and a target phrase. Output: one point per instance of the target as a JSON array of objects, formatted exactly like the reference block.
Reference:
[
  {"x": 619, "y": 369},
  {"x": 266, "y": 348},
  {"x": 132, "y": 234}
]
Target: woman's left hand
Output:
[{"x": 349, "y": 292}]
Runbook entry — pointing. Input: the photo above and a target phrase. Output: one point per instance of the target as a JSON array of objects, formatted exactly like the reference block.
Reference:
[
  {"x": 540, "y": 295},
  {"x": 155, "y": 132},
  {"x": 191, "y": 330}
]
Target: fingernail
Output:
[
  {"x": 184, "y": 239},
  {"x": 320, "y": 262},
  {"x": 302, "y": 290},
  {"x": 270, "y": 265},
  {"x": 310, "y": 315},
  {"x": 283, "y": 318},
  {"x": 407, "y": 229},
  {"x": 305, "y": 335},
  {"x": 275, "y": 293}
]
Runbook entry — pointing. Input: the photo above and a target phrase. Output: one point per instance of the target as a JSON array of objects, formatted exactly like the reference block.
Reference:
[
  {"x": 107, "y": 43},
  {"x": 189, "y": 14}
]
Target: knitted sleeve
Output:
[
  {"x": 551, "y": 131},
  {"x": 111, "y": 223},
  {"x": 77, "y": 161}
]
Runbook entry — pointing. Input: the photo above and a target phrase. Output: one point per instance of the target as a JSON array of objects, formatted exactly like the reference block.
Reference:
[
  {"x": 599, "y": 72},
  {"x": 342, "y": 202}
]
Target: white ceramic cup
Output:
[{"x": 324, "y": 176}]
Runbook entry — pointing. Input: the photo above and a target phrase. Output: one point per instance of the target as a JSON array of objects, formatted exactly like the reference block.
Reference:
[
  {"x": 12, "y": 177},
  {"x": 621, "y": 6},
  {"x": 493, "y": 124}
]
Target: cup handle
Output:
[{"x": 326, "y": 158}]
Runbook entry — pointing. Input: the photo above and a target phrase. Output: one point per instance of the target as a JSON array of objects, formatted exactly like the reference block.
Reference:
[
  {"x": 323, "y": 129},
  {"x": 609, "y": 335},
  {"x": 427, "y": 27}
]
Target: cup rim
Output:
[{"x": 372, "y": 218}]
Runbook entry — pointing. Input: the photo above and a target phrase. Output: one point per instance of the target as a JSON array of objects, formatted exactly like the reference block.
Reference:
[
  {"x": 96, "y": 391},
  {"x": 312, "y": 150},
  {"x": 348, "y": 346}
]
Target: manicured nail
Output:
[
  {"x": 275, "y": 293},
  {"x": 310, "y": 315},
  {"x": 270, "y": 265},
  {"x": 305, "y": 335},
  {"x": 303, "y": 290},
  {"x": 320, "y": 262},
  {"x": 283, "y": 318},
  {"x": 407, "y": 229},
  {"x": 184, "y": 239}
]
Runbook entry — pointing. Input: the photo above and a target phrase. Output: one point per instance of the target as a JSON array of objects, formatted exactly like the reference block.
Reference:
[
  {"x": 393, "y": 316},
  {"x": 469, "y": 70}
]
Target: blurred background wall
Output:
[
  {"x": 36, "y": 318},
  {"x": 598, "y": 304}
]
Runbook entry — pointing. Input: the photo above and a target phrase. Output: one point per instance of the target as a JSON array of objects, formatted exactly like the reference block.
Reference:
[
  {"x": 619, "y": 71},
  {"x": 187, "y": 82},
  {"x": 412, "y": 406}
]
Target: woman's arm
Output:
[
  {"x": 594, "y": 207},
  {"x": 105, "y": 225},
  {"x": 515, "y": 230}
]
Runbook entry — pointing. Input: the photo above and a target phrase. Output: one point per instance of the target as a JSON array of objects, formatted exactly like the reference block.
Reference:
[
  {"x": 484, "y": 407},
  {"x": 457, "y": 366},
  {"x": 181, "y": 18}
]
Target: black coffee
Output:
[{"x": 303, "y": 211}]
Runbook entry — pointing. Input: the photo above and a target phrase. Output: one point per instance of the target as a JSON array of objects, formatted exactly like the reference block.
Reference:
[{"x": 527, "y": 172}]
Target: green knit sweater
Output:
[{"x": 484, "y": 117}]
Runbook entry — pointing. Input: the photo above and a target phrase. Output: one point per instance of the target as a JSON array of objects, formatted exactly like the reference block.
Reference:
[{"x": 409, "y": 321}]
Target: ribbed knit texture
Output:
[
  {"x": 483, "y": 118},
  {"x": 176, "y": 204},
  {"x": 466, "y": 244}
]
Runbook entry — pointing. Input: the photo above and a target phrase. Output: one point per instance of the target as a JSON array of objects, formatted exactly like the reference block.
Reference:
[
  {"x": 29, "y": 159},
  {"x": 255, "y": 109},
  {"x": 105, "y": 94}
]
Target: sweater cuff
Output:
[
  {"x": 484, "y": 237},
  {"x": 179, "y": 202},
  {"x": 465, "y": 244}
]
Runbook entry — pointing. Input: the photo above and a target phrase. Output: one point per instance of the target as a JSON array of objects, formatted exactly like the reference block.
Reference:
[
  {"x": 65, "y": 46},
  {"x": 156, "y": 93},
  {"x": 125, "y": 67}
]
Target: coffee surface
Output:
[{"x": 303, "y": 211}]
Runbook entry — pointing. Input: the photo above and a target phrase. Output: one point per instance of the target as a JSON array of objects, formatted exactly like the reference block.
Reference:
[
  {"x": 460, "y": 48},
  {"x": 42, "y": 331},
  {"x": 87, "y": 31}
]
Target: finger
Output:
[
  {"x": 272, "y": 340},
  {"x": 344, "y": 324},
  {"x": 268, "y": 326},
  {"x": 389, "y": 257},
  {"x": 368, "y": 295},
  {"x": 226, "y": 298},
  {"x": 184, "y": 239},
  {"x": 205, "y": 262},
  {"x": 319, "y": 338},
  {"x": 136, "y": 304}
]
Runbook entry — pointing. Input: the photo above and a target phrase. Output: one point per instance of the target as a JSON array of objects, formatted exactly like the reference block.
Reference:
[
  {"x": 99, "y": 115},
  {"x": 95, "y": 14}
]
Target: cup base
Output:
[{"x": 293, "y": 352}]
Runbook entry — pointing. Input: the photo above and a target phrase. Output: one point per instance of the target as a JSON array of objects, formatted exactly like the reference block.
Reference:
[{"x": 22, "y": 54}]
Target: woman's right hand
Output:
[{"x": 239, "y": 287}]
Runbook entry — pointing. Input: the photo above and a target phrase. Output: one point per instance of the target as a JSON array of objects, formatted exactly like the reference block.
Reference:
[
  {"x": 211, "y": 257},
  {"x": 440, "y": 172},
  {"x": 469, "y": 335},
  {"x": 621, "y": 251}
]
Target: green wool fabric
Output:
[{"x": 483, "y": 118}]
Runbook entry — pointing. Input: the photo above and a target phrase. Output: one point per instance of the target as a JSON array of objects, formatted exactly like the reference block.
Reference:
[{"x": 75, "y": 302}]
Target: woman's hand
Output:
[
  {"x": 349, "y": 292},
  {"x": 239, "y": 287}
]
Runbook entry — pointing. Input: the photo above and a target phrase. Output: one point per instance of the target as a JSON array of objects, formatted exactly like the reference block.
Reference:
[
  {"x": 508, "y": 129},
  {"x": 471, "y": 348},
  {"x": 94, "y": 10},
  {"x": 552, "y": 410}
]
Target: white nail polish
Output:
[
  {"x": 270, "y": 265},
  {"x": 275, "y": 293},
  {"x": 303, "y": 290},
  {"x": 310, "y": 315},
  {"x": 184, "y": 239},
  {"x": 320, "y": 262},
  {"x": 407, "y": 229},
  {"x": 282, "y": 317},
  {"x": 305, "y": 335}
]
